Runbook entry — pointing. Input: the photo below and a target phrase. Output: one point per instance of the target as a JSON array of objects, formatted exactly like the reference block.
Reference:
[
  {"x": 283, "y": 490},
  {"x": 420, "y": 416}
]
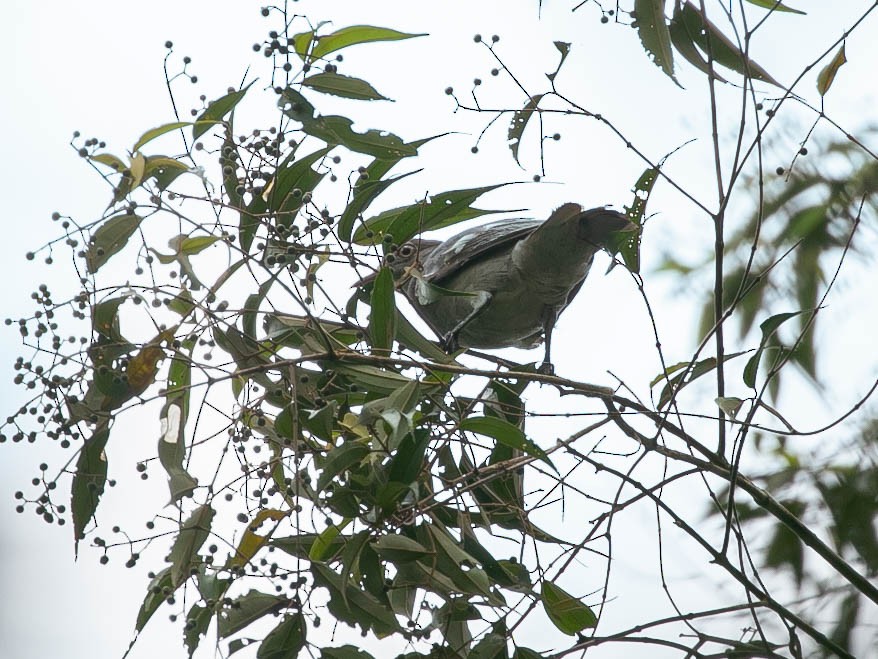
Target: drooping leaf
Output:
[
  {"x": 160, "y": 587},
  {"x": 340, "y": 459},
  {"x": 109, "y": 239},
  {"x": 563, "y": 48},
  {"x": 398, "y": 548},
  {"x": 184, "y": 552},
  {"x": 344, "y": 86},
  {"x": 566, "y": 612},
  {"x": 382, "y": 319},
  {"x": 88, "y": 481},
  {"x": 197, "y": 621},
  {"x": 353, "y": 35},
  {"x": 519, "y": 122},
  {"x": 216, "y": 110},
  {"x": 654, "y": 35},
  {"x": 364, "y": 194},
  {"x": 827, "y": 75},
  {"x": 285, "y": 640},
  {"x": 711, "y": 41},
  {"x": 768, "y": 327},
  {"x": 355, "y": 606}
]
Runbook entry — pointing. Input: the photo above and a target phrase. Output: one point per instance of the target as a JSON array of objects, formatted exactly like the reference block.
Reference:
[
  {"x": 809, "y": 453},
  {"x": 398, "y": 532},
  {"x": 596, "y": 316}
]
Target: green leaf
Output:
[
  {"x": 440, "y": 210},
  {"x": 174, "y": 414},
  {"x": 344, "y": 86},
  {"x": 353, "y": 35},
  {"x": 338, "y": 130},
  {"x": 398, "y": 548},
  {"x": 700, "y": 31},
  {"x": 150, "y": 135},
  {"x": 563, "y": 48},
  {"x": 382, "y": 319},
  {"x": 364, "y": 194},
  {"x": 408, "y": 461},
  {"x": 110, "y": 238},
  {"x": 110, "y": 160},
  {"x": 654, "y": 35},
  {"x": 190, "y": 246},
  {"x": 355, "y": 606},
  {"x": 184, "y": 552},
  {"x": 216, "y": 110},
  {"x": 286, "y": 640},
  {"x": 676, "y": 383},
  {"x": 505, "y": 433},
  {"x": 774, "y": 5},
  {"x": 827, "y": 75},
  {"x": 157, "y": 592},
  {"x": 344, "y": 652},
  {"x": 197, "y": 621},
  {"x": 566, "y": 612},
  {"x": 88, "y": 481},
  {"x": 768, "y": 327},
  {"x": 341, "y": 459},
  {"x": 247, "y": 609},
  {"x": 519, "y": 122}
]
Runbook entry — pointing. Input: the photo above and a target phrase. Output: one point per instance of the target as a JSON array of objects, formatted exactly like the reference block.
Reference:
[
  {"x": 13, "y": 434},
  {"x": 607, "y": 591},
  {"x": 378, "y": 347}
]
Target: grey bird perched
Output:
[{"x": 505, "y": 283}]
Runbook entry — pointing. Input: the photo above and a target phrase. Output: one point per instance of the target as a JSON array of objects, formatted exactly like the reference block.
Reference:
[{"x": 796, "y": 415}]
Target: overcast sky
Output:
[{"x": 97, "y": 67}]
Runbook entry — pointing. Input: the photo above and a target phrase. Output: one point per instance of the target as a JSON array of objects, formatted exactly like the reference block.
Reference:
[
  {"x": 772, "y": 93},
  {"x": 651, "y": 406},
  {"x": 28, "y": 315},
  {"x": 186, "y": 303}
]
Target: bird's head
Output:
[
  {"x": 605, "y": 228},
  {"x": 402, "y": 260}
]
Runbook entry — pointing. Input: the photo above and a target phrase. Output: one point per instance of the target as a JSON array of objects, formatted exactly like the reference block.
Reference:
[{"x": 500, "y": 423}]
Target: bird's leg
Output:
[
  {"x": 549, "y": 317},
  {"x": 449, "y": 341}
]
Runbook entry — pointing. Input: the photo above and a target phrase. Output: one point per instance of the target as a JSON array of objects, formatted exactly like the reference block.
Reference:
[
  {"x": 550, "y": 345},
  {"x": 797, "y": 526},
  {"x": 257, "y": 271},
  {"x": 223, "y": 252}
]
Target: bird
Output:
[{"x": 505, "y": 283}]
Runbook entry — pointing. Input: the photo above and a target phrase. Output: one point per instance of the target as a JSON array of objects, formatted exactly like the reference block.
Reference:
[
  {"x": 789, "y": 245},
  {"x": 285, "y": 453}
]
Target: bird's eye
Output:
[{"x": 406, "y": 250}]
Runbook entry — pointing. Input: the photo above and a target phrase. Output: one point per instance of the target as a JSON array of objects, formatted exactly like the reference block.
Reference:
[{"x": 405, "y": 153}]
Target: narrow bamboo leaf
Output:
[
  {"x": 216, "y": 110},
  {"x": 675, "y": 384},
  {"x": 150, "y": 135},
  {"x": 519, "y": 122},
  {"x": 353, "y": 35},
  {"x": 827, "y": 75},
  {"x": 654, "y": 34},
  {"x": 768, "y": 327},
  {"x": 382, "y": 319},
  {"x": 184, "y": 552},
  {"x": 775, "y": 5},
  {"x": 247, "y": 609},
  {"x": 506, "y": 433},
  {"x": 110, "y": 238},
  {"x": 88, "y": 481},
  {"x": 344, "y": 86},
  {"x": 566, "y": 612},
  {"x": 710, "y": 39},
  {"x": 284, "y": 641}
]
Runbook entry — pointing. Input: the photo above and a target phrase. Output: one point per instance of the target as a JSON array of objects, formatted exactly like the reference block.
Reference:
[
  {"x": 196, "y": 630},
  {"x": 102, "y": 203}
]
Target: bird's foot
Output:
[
  {"x": 449, "y": 343},
  {"x": 546, "y": 368}
]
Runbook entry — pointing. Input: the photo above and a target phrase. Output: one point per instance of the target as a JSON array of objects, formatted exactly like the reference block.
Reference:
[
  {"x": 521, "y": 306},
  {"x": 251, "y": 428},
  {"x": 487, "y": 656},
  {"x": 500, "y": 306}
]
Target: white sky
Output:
[{"x": 97, "y": 67}]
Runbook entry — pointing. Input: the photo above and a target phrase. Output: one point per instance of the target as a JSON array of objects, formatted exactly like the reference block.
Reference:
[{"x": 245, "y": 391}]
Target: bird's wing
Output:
[{"x": 456, "y": 252}]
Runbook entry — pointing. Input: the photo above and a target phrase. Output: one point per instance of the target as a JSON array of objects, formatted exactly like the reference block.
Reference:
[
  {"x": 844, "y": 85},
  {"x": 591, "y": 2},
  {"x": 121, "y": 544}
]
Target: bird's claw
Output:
[
  {"x": 546, "y": 368},
  {"x": 449, "y": 343}
]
